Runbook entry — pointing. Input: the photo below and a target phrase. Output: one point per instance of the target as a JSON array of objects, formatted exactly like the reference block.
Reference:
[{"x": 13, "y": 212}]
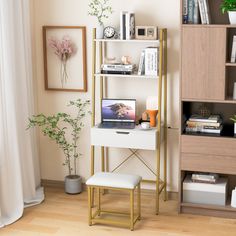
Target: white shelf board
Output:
[
  {"x": 128, "y": 41},
  {"x": 127, "y": 76}
]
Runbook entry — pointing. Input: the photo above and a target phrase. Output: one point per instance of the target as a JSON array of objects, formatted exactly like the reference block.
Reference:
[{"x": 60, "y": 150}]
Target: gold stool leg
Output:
[
  {"x": 132, "y": 209},
  {"x": 99, "y": 201},
  {"x": 89, "y": 206},
  {"x": 139, "y": 202}
]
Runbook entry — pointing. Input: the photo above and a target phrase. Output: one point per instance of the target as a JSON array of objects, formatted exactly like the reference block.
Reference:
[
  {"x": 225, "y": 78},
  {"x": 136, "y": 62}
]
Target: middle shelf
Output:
[{"x": 127, "y": 76}]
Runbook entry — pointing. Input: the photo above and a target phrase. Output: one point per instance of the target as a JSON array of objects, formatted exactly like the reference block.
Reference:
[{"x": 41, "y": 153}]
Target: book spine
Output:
[
  {"x": 233, "y": 51},
  {"x": 141, "y": 67},
  {"x": 202, "y": 11},
  {"x": 207, "y": 12},
  {"x": 127, "y": 25},
  {"x": 190, "y": 11},
  {"x": 185, "y": 11},
  {"x": 196, "y": 12},
  {"x": 121, "y": 25},
  {"x": 192, "y": 123}
]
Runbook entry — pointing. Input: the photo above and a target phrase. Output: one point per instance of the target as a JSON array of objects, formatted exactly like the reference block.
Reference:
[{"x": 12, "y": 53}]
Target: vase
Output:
[
  {"x": 99, "y": 32},
  {"x": 73, "y": 184},
  {"x": 232, "y": 17}
]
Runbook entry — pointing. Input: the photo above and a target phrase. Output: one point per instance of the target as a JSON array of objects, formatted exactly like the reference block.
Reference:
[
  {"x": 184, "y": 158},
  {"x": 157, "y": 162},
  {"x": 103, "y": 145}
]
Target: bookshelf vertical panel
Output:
[{"x": 199, "y": 70}]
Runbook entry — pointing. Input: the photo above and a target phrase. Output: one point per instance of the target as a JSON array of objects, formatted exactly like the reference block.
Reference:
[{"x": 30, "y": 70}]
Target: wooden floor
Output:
[{"x": 63, "y": 214}]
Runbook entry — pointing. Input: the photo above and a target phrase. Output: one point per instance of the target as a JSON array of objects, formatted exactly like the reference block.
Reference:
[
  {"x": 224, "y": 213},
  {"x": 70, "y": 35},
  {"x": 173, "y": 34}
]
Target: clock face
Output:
[{"x": 109, "y": 32}]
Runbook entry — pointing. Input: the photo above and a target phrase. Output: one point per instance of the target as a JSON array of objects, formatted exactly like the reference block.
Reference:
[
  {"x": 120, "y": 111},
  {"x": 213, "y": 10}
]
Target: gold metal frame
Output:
[
  {"x": 95, "y": 216},
  {"x": 161, "y": 185}
]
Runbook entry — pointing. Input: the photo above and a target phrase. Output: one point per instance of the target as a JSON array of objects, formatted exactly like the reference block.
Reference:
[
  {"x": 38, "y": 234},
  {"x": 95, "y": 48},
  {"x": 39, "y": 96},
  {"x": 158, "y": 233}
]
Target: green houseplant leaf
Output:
[{"x": 228, "y": 5}]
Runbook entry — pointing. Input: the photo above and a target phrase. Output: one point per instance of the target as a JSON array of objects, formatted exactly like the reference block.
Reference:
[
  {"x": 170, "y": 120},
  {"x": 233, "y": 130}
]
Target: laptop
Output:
[{"x": 118, "y": 114}]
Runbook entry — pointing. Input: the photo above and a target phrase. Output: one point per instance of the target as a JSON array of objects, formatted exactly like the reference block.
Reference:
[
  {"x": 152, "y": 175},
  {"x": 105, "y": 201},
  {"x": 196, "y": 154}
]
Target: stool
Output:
[{"x": 114, "y": 181}]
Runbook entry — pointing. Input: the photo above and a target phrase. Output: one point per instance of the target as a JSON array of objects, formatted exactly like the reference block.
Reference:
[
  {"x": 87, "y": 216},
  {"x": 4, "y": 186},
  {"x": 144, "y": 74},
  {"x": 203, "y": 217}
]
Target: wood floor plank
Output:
[{"x": 66, "y": 215}]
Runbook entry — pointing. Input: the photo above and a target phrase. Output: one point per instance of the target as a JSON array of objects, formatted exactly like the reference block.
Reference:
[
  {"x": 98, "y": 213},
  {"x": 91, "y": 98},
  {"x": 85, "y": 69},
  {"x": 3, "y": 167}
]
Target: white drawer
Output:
[{"x": 135, "y": 138}]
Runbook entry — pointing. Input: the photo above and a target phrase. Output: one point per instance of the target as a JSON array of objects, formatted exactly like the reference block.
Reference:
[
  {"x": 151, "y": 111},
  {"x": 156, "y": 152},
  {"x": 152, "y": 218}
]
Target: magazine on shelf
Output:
[{"x": 210, "y": 119}]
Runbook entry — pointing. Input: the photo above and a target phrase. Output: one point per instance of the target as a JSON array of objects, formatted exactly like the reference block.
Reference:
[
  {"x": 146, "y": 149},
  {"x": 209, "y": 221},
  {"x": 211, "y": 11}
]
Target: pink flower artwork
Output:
[{"x": 64, "y": 49}]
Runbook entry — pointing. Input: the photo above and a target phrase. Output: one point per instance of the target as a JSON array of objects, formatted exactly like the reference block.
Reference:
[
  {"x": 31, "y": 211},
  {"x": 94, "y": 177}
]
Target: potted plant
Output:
[
  {"x": 101, "y": 10},
  {"x": 234, "y": 120},
  {"x": 65, "y": 130},
  {"x": 230, "y": 7}
]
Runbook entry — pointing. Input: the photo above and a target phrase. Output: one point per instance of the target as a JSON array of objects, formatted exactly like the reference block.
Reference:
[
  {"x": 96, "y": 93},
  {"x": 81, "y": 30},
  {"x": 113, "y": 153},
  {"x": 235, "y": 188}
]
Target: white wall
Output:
[{"x": 74, "y": 12}]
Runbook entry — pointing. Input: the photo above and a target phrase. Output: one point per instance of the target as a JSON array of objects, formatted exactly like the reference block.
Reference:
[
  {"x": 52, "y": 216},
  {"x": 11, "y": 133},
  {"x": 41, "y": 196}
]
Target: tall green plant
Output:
[
  {"x": 233, "y": 118},
  {"x": 228, "y": 5},
  {"x": 65, "y": 130},
  {"x": 100, "y": 9}
]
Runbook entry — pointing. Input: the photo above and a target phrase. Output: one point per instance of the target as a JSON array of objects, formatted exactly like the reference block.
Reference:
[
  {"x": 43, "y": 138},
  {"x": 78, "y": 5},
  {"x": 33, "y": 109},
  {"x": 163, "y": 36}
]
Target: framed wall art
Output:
[{"x": 65, "y": 67}]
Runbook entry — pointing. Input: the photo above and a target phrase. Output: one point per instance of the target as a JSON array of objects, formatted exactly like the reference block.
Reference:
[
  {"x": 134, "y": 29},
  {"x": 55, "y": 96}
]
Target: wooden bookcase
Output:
[{"x": 207, "y": 77}]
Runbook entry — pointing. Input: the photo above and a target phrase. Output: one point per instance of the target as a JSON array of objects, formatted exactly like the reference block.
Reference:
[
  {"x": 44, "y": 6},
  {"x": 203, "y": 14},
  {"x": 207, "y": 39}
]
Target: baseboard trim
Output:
[{"x": 60, "y": 184}]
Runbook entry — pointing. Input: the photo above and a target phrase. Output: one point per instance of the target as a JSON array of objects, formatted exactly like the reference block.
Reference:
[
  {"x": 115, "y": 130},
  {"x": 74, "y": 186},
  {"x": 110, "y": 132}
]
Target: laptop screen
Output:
[{"x": 118, "y": 110}]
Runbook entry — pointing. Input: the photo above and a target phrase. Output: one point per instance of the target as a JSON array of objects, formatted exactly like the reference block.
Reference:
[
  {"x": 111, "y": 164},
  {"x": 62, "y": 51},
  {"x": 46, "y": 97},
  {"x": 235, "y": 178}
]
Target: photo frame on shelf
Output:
[{"x": 65, "y": 58}]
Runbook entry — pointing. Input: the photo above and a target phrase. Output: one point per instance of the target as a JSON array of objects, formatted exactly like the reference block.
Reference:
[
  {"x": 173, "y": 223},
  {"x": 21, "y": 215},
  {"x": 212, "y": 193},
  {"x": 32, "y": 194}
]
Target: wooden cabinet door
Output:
[{"x": 203, "y": 63}]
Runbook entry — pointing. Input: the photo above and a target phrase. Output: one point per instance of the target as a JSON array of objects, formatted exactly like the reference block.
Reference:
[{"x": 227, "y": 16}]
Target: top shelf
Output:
[
  {"x": 208, "y": 26},
  {"x": 127, "y": 41}
]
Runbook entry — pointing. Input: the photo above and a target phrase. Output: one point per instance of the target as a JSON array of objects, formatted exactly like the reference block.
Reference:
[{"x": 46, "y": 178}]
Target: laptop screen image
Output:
[{"x": 118, "y": 110}]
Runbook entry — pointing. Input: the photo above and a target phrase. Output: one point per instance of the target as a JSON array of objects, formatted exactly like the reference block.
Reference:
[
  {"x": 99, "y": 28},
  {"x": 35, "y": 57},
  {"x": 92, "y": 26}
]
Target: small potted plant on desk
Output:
[
  {"x": 230, "y": 7},
  {"x": 65, "y": 131}
]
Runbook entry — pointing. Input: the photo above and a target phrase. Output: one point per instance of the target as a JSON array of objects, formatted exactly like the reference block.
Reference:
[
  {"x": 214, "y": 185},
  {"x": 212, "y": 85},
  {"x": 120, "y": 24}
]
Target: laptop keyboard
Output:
[{"x": 115, "y": 125}]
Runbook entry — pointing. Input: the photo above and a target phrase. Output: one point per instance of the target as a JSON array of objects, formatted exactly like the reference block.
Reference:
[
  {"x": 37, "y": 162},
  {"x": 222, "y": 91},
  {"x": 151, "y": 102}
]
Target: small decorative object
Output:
[
  {"x": 65, "y": 130},
  {"x": 234, "y": 120},
  {"x": 145, "y": 125},
  {"x": 152, "y": 109},
  {"x": 65, "y": 58},
  {"x": 146, "y": 32},
  {"x": 145, "y": 116},
  {"x": 233, "y": 198},
  {"x": 234, "y": 92},
  {"x": 126, "y": 60},
  {"x": 101, "y": 10},
  {"x": 204, "y": 111},
  {"x": 109, "y": 32},
  {"x": 230, "y": 7}
]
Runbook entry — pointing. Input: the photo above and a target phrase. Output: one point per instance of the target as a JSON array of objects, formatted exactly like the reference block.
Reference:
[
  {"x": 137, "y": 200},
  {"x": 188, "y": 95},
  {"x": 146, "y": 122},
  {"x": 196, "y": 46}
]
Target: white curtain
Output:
[{"x": 19, "y": 173}]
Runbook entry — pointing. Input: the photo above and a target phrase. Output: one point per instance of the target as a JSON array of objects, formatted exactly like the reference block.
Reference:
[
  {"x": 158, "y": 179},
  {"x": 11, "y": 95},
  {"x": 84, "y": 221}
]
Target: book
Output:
[
  {"x": 151, "y": 61},
  {"x": 233, "y": 51},
  {"x": 130, "y": 25},
  {"x": 141, "y": 68},
  {"x": 202, "y": 11},
  {"x": 207, "y": 12},
  {"x": 196, "y": 16},
  {"x": 204, "y": 124},
  {"x": 204, "y": 130},
  {"x": 199, "y": 118},
  {"x": 190, "y": 11},
  {"x": 185, "y": 11},
  {"x": 123, "y": 25}
]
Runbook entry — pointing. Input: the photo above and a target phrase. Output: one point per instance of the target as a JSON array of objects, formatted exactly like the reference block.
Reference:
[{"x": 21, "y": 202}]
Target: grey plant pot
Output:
[{"x": 73, "y": 184}]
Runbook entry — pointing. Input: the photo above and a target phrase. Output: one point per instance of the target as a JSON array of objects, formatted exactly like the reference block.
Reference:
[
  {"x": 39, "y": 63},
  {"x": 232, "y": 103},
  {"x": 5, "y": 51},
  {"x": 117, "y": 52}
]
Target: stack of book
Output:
[
  {"x": 211, "y": 124},
  {"x": 148, "y": 63},
  {"x": 210, "y": 178},
  {"x": 192, "y": 9}
]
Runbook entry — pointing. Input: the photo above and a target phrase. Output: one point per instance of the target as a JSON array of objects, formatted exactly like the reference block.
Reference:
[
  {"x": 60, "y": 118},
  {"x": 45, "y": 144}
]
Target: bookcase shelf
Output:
[
  {"x": 127, "y": 76},
  {"x": 128, "y": 41},
  {"x": 207, "y": 78}
]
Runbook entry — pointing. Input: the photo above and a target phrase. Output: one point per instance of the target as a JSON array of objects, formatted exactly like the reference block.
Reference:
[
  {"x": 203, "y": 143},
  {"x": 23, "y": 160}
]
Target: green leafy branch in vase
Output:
[{"x": 100, "y": 9}]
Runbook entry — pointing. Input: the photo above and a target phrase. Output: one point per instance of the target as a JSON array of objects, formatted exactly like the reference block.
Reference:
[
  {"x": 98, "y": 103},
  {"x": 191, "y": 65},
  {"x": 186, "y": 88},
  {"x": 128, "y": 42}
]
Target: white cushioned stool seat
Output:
[{"x": 114, "y": 180}]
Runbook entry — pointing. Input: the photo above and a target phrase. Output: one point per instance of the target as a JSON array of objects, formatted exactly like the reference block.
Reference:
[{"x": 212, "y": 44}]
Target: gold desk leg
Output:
[
  {"x": 132, "y": 210},
  {"x": 89, "y": 206},
  {"x": 165, "y": 114},
  {"x": 159, "y": 120},
  {"x": 139, "y": 202},
  {"x": 99, "y": 201}
]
